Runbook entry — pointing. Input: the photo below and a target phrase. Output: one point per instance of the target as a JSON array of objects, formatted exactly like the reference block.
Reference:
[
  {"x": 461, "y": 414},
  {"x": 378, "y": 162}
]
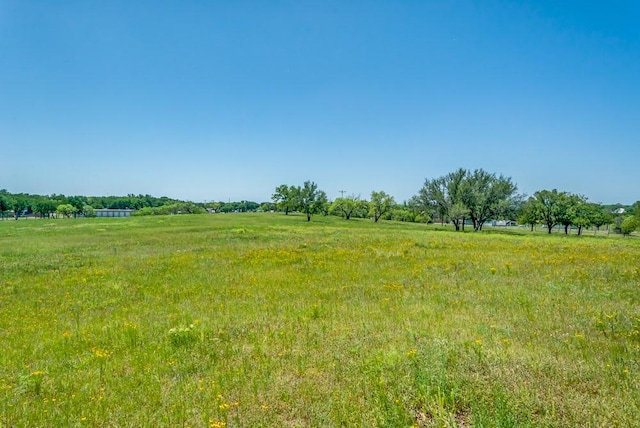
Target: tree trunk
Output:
[{"x": 532, "y": 227}]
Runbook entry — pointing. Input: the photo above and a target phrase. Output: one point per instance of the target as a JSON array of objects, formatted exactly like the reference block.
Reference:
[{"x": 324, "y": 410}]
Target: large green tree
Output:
[
  {"x": 549, "y": 207},
  {"x": 380, "y": 203},
  {"x": 78, "y": 202},
  {"x": 476, "y": 195},
  {"x": 309, "y": 199},
  {"x": 569, "y": 206},
  {"x": 441, "y": 194},
  {"x": 20, "y": 205},
  {"x": 486, "y": 195},
  {"x": 600, "y": 216},
  {"x": 348, "y": 207},
  {"x": 588, "y": 214},
  {"x": 286, "y": 197},
  {"x": 45, "y": 207}
]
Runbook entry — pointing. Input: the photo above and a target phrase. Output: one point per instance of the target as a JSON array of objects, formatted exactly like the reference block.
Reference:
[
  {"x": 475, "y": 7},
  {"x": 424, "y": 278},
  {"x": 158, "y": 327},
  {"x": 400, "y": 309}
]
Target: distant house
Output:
[
  {"x": 619, "y": 211},
  {"x": 113, "y": 212}
]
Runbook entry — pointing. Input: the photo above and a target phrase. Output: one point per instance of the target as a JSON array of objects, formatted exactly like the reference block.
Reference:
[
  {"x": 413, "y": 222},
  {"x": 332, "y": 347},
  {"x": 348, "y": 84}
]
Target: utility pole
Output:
[{"x": 341, "y": 193}]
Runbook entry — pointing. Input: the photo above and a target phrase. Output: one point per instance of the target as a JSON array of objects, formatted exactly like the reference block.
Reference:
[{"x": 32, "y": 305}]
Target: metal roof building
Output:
[{"x": 112, "y": 212}]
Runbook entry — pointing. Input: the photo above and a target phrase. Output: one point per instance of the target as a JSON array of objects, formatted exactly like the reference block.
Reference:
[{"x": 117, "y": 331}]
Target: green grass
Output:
[{"x": 267, "y": 320}]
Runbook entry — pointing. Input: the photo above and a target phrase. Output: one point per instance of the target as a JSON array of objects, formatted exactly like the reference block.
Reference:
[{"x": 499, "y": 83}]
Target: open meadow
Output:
[{"x": 249, "y": 320}]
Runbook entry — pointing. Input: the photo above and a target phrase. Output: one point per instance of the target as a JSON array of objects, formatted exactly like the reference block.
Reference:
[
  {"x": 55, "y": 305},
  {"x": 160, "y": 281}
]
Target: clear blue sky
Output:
[{"x": 216, "y": 100}]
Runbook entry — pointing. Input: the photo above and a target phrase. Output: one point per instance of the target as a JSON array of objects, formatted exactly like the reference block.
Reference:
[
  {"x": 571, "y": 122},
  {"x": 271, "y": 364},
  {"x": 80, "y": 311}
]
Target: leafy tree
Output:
[
  {"x": 286, "y": 197},
  {"x": 458, "y": 213},
  {"x": 20, "y": 205},
  {"x": 635, "y": 211},
  {"x": 379, "y": 204},
  {"x": 189, "y": 208},
  {"x": 294, "y": 198},
  {"x": 214, "y": 206},
  {"x": 226, "y": 207},
  {"x": 416, "y": 206},
  {"x": 600, "y": 217},
  {"x": 46, "y": 207},
  {"x": 4, "y": 206},
  {"x": 582, "y": 217},
  {"x": 267, "y": 206},
  {"x": 569, "y": 206},
  {"x": 78, "y": 202},
  {"x": 323, "y": 202},
  {"x": 528, "y": 213},
  {"x": 88, "y": 211},
  {"x": 589, "y": 214},
  {"x": 402, "y": 213},
  {"x": 346, "y": 207},
  {"x": 549, "y": 206},
  {"x": 629, "y": 224},
  {"x": 442, "y": 193},
  {"x": 617, "y": 222},
  {"x": 95, "y": 202},
  {"x": 308, "y": 197},
  {"x": 66, "y": 210},
  {"x": 476, "y": 195},
  {"x": 432, "y": 197},
  {"x": 485, "y": 195},
  {"x": 510, "y": 208}
]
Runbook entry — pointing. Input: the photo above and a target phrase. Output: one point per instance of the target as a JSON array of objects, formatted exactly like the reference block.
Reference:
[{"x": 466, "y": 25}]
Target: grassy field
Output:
[{"x": 266, "y": 320}]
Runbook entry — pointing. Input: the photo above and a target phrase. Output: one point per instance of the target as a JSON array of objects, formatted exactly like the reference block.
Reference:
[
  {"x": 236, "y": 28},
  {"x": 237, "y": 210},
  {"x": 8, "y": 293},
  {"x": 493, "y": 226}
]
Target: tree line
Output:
[
  {"x": 461, "y": 198},
  {"x": 465, "y": 197},
  {"x": 309, "y": 200},
  {"x": 24, "y": 204},
  {"x": 21, "y": 204}
]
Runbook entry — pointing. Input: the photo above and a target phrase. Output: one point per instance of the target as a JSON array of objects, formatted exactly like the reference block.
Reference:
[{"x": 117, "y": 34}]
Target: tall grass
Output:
[{"x": 267, "y": 320}]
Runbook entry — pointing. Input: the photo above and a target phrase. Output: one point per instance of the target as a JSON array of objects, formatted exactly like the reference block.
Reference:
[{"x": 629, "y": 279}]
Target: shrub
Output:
[{"x": 628, "y": 225}]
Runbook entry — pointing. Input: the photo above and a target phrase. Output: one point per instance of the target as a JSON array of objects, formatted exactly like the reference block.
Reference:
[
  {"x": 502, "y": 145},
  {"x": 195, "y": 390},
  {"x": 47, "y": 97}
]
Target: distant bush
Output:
[{"x": 628, "y": 225}]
